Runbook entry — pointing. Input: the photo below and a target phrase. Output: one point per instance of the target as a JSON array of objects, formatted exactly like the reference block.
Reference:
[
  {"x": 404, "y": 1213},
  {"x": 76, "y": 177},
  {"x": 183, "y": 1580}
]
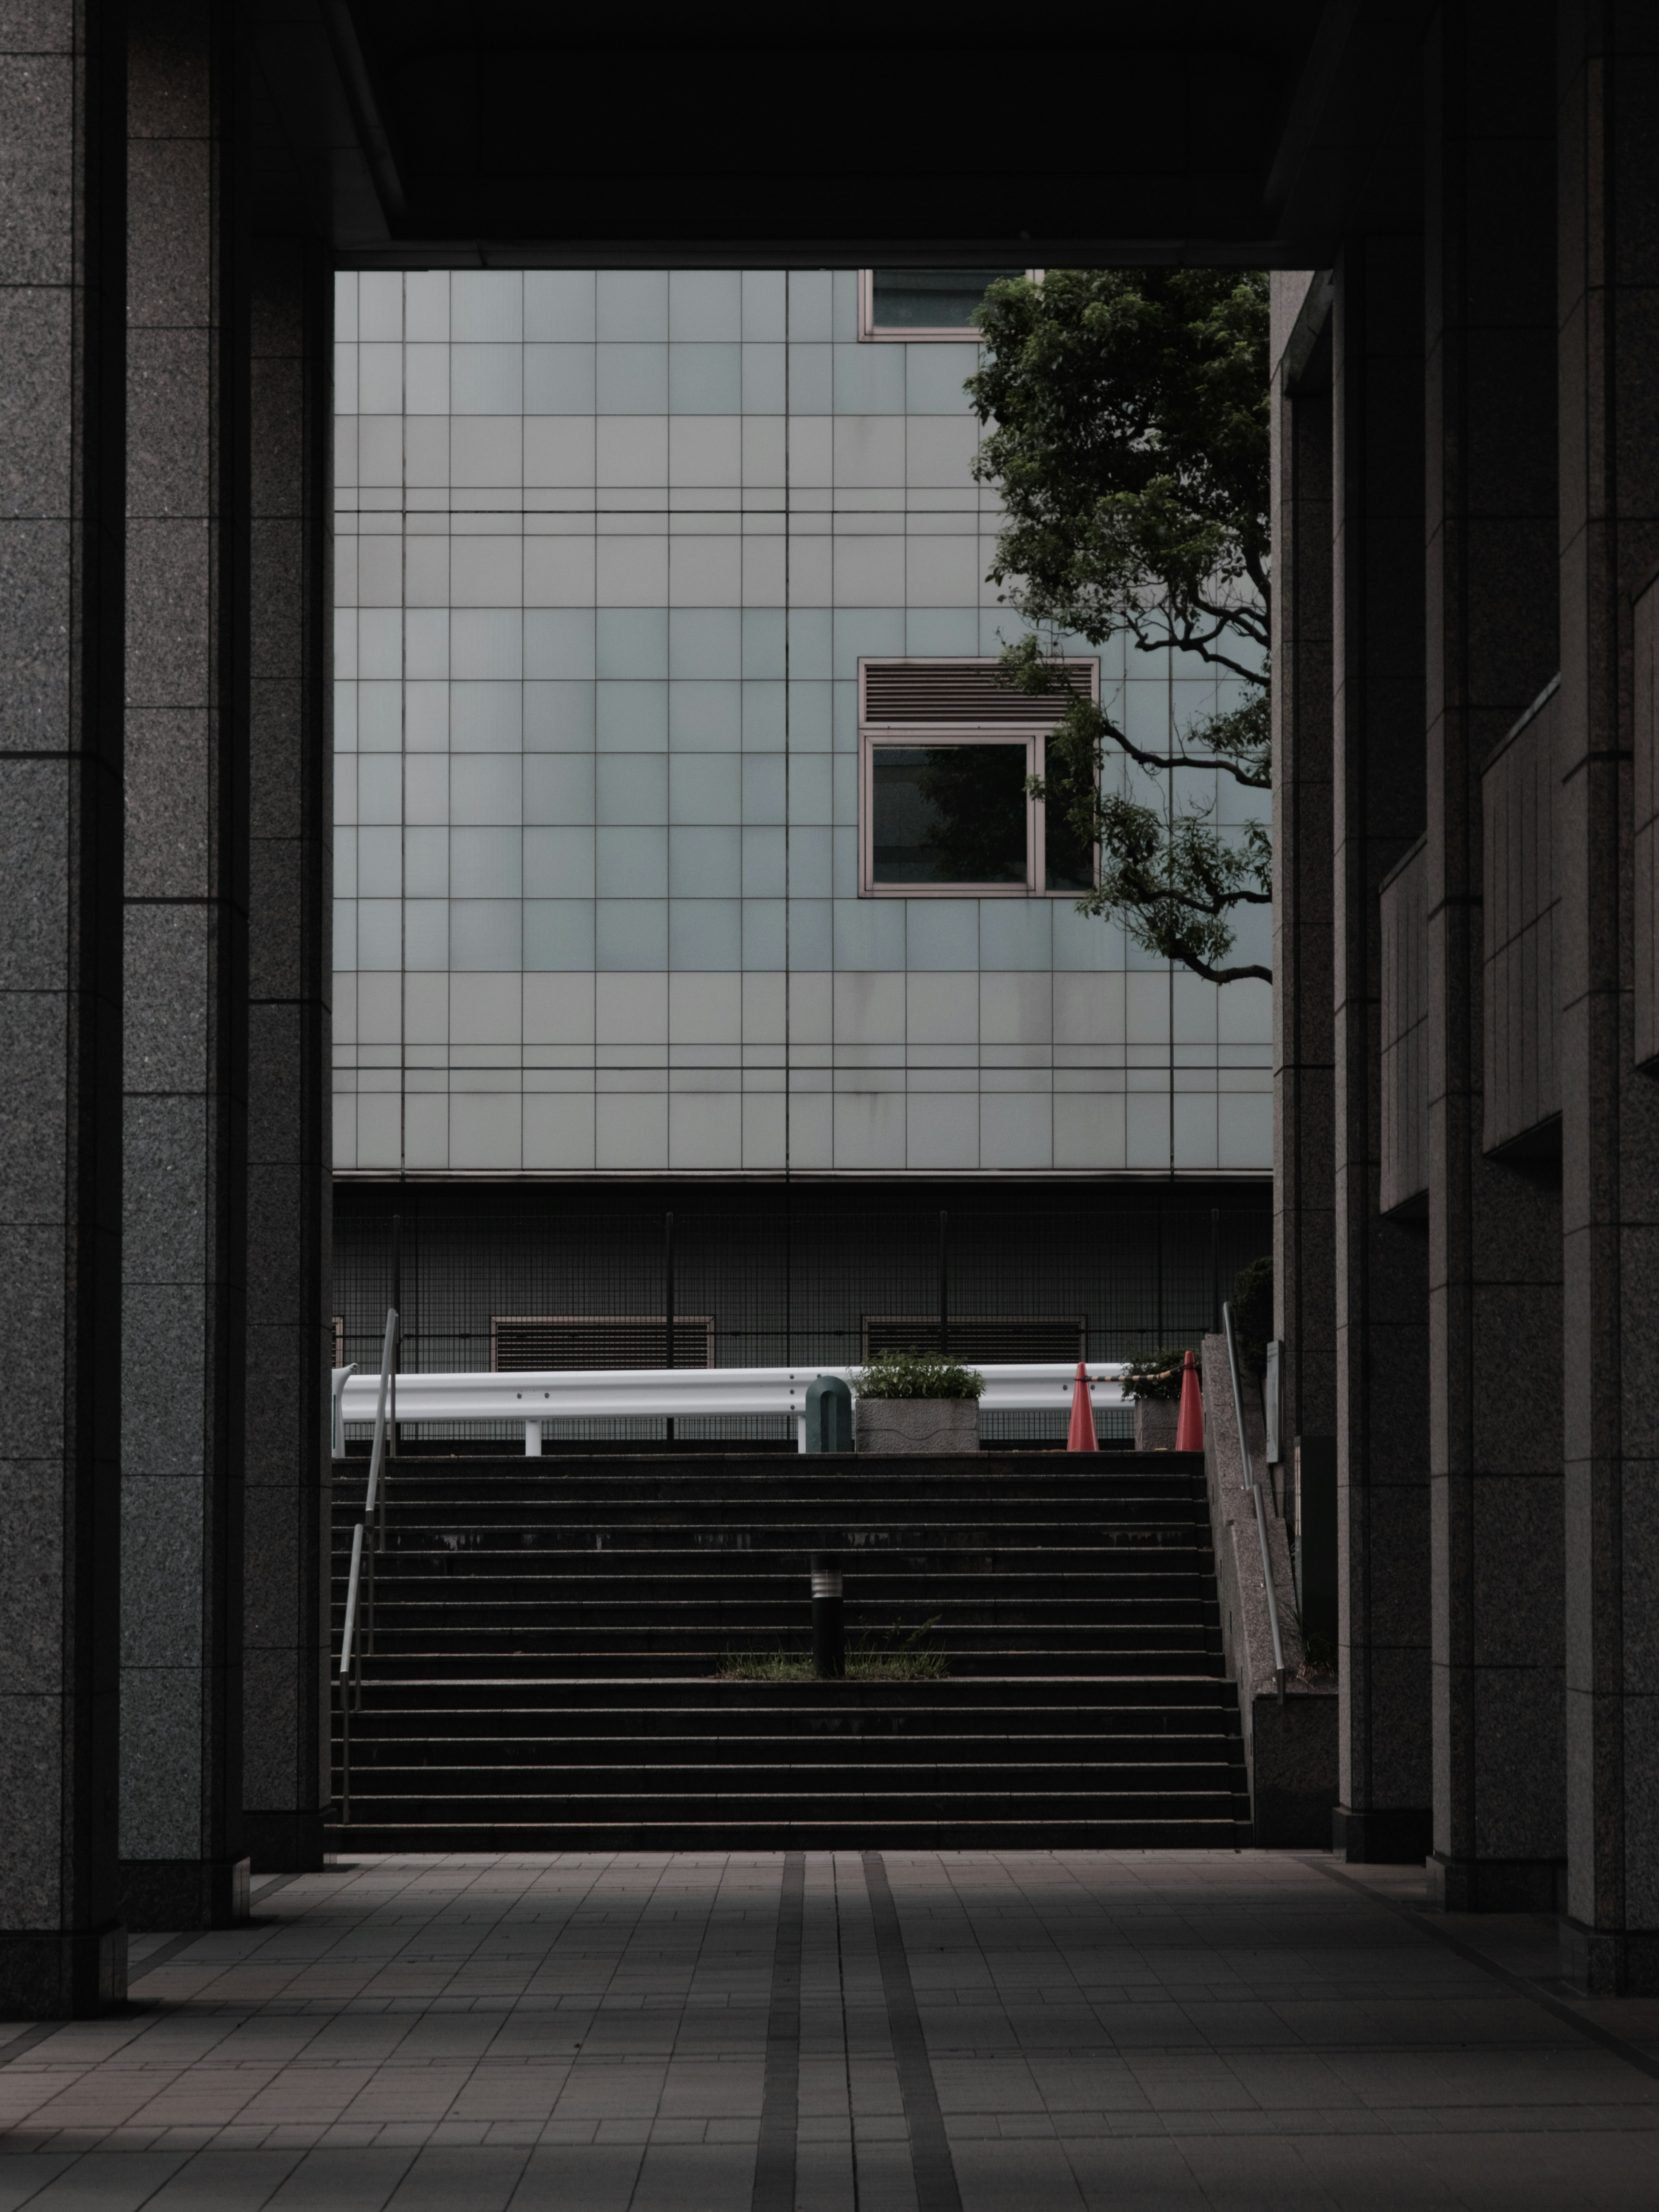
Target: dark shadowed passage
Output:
[{"x": 622, "y": 2033}]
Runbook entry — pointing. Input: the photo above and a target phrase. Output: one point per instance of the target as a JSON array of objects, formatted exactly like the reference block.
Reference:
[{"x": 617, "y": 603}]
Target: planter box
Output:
[
  {"x": 916, "y": 1424},
  {"x": 1155, "y": 1424}
]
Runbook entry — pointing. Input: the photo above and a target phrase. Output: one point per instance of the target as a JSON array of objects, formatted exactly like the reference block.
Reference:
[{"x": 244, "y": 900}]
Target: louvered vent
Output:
[
  {"x": 536, "y": 1342},
  {"x": 963, "y": 693},
  {"x": 997, "y": 1338}
]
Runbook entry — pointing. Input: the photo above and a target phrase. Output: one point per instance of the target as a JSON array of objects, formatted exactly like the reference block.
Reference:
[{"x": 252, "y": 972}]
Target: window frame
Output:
[
  {"x": 871, "y": 333},
  {"x": 874, "y": 736}
]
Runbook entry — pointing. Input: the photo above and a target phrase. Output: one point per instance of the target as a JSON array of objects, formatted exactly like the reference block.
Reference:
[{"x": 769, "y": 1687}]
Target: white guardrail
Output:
[{"x": 645, "y": 1392}]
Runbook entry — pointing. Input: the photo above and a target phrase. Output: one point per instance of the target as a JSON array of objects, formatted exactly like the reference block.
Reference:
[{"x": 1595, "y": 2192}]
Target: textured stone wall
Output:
[
  {"x": 1608, "y": 181},
  {"x": 1382, "y": 1383},
  {"x": 1304, "y": 1251},
  {"x": 1644, "y": 763},
  {"x": 1403, "y": 1176},
  {"x": 1522, "y": 1090},
  {"x": 1494, "y": 1228},
  {"x": 62, "y": 259},
  {"x": 182, "y": 1227},
  {"x": 287, "y": 1784}
]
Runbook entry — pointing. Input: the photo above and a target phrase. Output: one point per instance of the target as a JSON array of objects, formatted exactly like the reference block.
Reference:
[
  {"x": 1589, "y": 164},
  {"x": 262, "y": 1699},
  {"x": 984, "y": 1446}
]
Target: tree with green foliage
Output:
[{"x": 1126, "y": 416}]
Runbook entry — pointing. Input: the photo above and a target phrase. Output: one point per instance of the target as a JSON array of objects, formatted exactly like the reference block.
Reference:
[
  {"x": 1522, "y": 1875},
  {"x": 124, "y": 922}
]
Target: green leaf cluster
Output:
[
  {"x": 1252, "y": 1304},
  {"x": 1158, "y": 1376},
  {"x": 1126, "y": 417},
  {"x": 916, "y": 1375}
]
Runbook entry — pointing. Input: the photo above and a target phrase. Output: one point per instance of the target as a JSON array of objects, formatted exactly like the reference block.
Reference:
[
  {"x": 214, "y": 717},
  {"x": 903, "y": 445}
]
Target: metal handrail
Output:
[
  {"x": 533, "y": 1398},
  {"x": 351, "y": 1677},
  {"x": 1255, "y": 1489},
  {"x": 338, "y": 1377}
]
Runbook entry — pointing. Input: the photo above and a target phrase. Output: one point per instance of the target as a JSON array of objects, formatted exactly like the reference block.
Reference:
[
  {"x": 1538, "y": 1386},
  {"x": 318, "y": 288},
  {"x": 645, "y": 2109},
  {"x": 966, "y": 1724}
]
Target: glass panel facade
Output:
[
  {"x": 602, "y": 781},
  {"x": 931, "y": 299},
  {"x": 949, "y": 814}
]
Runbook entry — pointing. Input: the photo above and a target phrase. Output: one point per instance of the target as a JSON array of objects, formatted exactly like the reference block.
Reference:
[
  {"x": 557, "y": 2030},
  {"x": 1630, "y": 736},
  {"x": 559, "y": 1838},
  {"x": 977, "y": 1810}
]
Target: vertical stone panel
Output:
[
  {"x": 1381, "y": 1469},
  {"x": 1404, "y": 1177},
  {"x": 61, "y": 263},
  {"x": 1608, "y": 311},
  {"x": 1522, "y": 1090},
  {"x": 1645, "y": 768},
  {"x": 182, "y": 1349},
  {"x": 1301, "y": 493},
  {"x": 1494, "y": 1228},
  {"x": 287, "y": 1784}
]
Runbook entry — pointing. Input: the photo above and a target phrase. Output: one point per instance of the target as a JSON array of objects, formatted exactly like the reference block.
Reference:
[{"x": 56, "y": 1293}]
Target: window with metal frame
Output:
[
  {"x": 944, "y": 755},
  {"x": 924, "y": 306},
  {"x": 540, "y": 1342}
]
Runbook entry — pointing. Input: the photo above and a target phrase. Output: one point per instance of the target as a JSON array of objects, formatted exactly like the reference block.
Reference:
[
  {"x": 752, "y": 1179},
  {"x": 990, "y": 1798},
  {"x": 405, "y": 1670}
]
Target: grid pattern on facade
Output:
[
  {"x": 537, "y": 1343},
  {"x": 611, "y": 548},
  {"x": 786, "y": 1279},
  {"x": 995, "y": 1337}
]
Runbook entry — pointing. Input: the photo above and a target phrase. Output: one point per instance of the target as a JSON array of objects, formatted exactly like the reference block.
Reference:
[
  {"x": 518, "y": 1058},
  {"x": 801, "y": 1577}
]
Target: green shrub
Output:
[
  {"x": 1253, "y": 1313},
  {"x": 875, "y": 1656},
  {"x": 916, "y": 1375},
  {"x": 1158, "y": 1375}
]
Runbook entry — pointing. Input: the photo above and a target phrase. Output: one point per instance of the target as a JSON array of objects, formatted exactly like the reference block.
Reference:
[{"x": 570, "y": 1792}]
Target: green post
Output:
[{"x": 828, "y": 1415}]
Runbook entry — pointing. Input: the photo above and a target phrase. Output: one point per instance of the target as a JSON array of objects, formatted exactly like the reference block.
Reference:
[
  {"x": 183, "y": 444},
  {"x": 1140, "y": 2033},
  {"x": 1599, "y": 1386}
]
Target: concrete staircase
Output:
[{"x": 547, "y": 1638}]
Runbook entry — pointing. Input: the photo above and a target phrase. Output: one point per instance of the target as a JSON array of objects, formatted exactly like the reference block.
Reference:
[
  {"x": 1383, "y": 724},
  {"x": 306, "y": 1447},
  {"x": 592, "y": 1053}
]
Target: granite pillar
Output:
[
  {"x": 1303, "y": 1251},
  {"x": 63, "y": 1947},
  {"x": 286, "y": 1780},
  {"x": 1607, "y": 309},
  {"x": 185, "y": 1210},
  {"x": 1381, "y": 1310},
  {"x": 1494, "y": 1224}
]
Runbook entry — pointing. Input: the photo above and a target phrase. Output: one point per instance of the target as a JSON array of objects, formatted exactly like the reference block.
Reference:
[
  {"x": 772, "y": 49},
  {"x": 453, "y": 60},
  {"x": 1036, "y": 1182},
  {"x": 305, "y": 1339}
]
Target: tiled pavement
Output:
[{"x": 598, "y": 2033}]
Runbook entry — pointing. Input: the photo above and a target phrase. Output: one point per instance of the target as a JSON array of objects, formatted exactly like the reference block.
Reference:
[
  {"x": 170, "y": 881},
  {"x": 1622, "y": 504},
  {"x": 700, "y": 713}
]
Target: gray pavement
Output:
[{"x": 995, "y": 2030}]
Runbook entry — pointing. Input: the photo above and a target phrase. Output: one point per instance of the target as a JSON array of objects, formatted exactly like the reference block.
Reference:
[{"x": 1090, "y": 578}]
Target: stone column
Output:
[
  {"x": 183, "y": 1348},
  {"x": 1608, "y": 298},
  {"x": 1494, "y": 1228},
  {"x": 1382, "y": 1313},
  {"x": 63, "y": 250},
  {"x": 1304, "y": 1249},
  {"x": 287, "y": 1784}
]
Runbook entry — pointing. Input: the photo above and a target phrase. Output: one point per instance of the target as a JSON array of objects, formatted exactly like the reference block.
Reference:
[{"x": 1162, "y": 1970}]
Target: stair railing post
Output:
[
  {"x": 669, "y": 1432},
  {"x": 1255, "y": 1489},
  {"x": 345, "y": 1757}
]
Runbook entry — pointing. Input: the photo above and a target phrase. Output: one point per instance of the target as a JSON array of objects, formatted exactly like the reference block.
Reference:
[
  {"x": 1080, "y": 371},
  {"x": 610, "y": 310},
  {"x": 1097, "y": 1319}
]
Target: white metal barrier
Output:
[{"x": 610, "y": 1394}]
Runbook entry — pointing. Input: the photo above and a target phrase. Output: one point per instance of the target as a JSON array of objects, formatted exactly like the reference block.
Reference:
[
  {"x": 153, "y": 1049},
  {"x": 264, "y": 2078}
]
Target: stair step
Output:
[
  {"x": 843, "y": 1830},
  {"x": 547, "y": 1639}
]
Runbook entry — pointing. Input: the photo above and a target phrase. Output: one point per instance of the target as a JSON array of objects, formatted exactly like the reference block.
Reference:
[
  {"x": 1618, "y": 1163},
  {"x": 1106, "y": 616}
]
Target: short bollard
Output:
[
  {"x": 829, "y": 1422},
  {"x": 829, "y": 1622}
]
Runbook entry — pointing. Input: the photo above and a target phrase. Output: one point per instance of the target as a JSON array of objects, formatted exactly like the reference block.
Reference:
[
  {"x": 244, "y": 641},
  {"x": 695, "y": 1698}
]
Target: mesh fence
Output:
[{"x": 786, "y": 1282}]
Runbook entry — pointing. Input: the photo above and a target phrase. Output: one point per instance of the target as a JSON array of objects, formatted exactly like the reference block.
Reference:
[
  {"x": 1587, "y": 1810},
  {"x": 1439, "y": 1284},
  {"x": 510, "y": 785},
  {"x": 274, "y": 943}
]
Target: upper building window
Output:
[
  {"x": 944, "y": 754},
  {"x": 924, "y": 303}
]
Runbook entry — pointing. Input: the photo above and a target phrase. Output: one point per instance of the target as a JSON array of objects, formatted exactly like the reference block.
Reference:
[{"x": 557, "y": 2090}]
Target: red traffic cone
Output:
[
  {"x": 1081, "y": 1436},
  {"x": 1189, "y": 1422}
]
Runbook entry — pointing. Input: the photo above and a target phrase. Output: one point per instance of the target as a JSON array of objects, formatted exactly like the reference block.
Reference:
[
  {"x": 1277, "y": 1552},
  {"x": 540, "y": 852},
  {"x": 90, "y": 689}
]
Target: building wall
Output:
[{"x": 610, "y": 549}]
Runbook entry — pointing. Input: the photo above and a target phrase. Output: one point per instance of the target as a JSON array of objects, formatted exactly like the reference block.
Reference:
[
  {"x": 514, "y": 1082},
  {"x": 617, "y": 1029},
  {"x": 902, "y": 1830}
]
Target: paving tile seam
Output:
[
  {"x": 931, "y": 2162},
  {"x": 1592, "y": 2031},
  {"x": 773, "y": 2189}
]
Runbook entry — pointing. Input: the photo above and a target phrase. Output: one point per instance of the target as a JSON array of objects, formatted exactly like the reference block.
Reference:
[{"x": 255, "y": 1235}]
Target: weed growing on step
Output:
[{"x": 872, "y": 1657}]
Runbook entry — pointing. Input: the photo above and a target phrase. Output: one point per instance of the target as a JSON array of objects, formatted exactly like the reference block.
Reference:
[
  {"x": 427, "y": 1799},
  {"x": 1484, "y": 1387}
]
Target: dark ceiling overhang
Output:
[{"x": 419, "y": 134}]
